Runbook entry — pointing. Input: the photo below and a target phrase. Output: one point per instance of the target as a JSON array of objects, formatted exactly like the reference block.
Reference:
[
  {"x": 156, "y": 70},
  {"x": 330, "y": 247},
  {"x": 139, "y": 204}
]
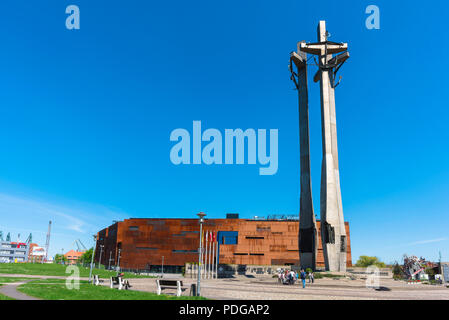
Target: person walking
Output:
[
  {"x": 303, "y": 278},
  {"x": 292, "y": 277},
  {"x": 312, "y": 277}
]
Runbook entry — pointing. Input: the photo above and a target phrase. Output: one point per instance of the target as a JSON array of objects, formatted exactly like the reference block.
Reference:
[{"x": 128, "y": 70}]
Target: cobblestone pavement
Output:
[{"x": 323, "y": 289}]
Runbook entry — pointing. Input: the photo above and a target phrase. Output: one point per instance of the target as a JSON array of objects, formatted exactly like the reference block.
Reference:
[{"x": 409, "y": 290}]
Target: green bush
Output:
[
  {"x": 397, "y": 270},
  {"x": 397, "y": 277},
  {"x": 320, "y": 275},
  {"x": 430, "y": 272},
  {"x": 366, "y": 261}
]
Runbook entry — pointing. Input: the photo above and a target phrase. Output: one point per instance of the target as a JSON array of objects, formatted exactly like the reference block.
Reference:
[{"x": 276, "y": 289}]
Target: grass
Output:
[
  {"x": 51, "y": 269},
  {"x": 327, "y": 275},
  {"x": 12, "y": 279},
  {"x": 53, "y": 291}
]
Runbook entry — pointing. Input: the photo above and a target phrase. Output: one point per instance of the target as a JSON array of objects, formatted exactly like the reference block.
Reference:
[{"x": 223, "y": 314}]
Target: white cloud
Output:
[
  {"x": 70, "y": 220},
  {"x": 427, "y": 241}
]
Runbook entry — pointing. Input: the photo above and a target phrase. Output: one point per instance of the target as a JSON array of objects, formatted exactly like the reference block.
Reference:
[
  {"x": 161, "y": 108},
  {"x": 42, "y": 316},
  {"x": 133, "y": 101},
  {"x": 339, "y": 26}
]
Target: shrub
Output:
[
  {"x": 397, "y": 270},
  {"x": 366, "y": 261}
]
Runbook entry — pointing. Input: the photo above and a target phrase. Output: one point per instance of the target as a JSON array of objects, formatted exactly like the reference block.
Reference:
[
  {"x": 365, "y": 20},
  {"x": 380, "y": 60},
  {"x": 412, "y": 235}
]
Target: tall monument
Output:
[
  {"x": 308, "y": 236},
  {"x": 333, "y": 233}
]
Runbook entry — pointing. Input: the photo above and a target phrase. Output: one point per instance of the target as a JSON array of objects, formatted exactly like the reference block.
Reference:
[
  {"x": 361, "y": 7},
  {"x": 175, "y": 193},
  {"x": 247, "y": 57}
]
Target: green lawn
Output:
[
  {"x": 90, "y": 292},
  {"x": 12, "y": 279},
  {"x": 51, "y": 269},
  {"x": 53, "y": 281}
]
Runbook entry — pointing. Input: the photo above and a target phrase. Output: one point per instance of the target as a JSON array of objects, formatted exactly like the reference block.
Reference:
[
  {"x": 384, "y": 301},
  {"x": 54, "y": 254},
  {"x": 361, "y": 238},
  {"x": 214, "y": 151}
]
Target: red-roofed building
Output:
[{"x": 73, "y": 256}]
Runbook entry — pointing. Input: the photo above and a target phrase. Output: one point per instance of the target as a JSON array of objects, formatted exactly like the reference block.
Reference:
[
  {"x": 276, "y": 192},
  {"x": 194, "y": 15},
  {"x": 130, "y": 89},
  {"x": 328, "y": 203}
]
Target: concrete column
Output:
[
  {"x": 330, "y": 183},
  {"x": 333, "y": 231},
  {"x": 307, "y": 222}
]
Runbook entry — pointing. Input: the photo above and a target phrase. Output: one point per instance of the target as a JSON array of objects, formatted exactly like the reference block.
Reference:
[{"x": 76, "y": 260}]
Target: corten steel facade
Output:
[{"x": 145, "y": 242}]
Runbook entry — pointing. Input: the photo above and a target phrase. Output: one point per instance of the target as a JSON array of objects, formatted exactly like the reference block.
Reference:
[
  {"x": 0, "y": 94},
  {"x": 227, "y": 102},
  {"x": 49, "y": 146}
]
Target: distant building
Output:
[
  {"x": 142, "y": 244},
  {"x": 13, "y": 252},
  {"x": 73, "y": 256},
  {"x": 36, "y": 253},
  {"x": 445, "y": 271}
]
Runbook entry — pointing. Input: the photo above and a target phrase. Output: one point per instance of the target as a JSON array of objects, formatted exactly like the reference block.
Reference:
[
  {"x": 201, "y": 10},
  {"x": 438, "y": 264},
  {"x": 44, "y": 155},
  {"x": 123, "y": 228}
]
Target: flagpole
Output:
[
  {"x": 216, "y": 262},
  {"x": 205, "y": 257},
  {"x": 210, "y": 254},
  {"x": 213, "y": 254}
]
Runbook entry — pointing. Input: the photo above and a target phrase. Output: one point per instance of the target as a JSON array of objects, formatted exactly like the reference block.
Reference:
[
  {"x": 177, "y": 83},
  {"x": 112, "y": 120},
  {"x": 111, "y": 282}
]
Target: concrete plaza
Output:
[{"x": 267, "y": 288}]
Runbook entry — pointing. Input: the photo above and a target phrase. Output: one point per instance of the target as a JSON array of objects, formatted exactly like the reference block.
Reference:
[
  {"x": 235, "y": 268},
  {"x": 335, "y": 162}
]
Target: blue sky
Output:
[{"x": 86, "y": 115}]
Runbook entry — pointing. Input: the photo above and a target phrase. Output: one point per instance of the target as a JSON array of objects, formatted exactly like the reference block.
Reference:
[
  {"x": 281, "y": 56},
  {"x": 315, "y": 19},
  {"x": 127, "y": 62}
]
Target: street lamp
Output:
[
  {"x": 118, "y": 261},
  {"x": 92, "y": 259},
  {"x": 110, "y": 258},
  {"x": 101, "y": 251},
  {"x": 201, "y": 216}
]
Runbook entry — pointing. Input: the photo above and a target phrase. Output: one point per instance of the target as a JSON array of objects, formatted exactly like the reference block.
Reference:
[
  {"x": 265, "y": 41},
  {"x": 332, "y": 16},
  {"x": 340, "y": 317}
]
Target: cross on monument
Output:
[{"x": 333, "y": 232}]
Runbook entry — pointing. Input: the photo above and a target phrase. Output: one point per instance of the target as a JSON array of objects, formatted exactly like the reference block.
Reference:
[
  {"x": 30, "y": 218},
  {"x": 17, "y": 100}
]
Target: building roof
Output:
[{"x": 72, "y": 254}]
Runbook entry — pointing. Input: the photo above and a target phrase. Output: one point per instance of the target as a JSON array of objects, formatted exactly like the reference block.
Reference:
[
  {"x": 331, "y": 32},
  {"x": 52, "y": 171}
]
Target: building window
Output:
[
  {"x": 263, "y": 229},
  {"x": 184, "y": 251},
  {"x": 240, "y": 254},
  {"x": 256, "y": 254},
  {"x": 145, "y": 248},
  {"x": 228, "y": 237},
  {"x": 133, "y": 228},
  {"x": 255, "y": 238}
]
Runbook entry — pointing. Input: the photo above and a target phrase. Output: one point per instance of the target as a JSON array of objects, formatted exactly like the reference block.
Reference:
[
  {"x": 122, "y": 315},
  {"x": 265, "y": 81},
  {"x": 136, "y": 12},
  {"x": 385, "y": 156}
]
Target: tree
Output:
[
  {"x": 430, "y": 272},
  {"x": 366, "y": 261},
  {"x": 59, "y": 258},
  {"x": 86, "y": 257},
  {"x": 398, "y": 273}
]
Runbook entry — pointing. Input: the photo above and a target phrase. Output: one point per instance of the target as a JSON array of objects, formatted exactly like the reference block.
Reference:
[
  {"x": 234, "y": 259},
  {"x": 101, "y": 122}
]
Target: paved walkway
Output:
[
  {"x": 31, "y": 276},
  {"x": 322, "y": 289},
  {"x": 10, "y": 290}
]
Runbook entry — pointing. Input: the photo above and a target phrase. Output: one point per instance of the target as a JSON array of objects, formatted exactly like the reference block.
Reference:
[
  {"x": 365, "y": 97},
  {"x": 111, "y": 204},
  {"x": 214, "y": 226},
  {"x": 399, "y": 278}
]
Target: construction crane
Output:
[
  {"x": 8, "y": 237},
  {"x": 84, "y": 247},
  {"x": 29, "y": 239},
  {"x": 1, "y": 235},
  {"x": 79, "y": 244},
  {"x": 47, "y": 243}
]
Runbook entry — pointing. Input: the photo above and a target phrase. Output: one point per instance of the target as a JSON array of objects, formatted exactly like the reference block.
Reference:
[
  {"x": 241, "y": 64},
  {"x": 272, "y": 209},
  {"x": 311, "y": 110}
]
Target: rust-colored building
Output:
[{"x": 148, "y": 243}]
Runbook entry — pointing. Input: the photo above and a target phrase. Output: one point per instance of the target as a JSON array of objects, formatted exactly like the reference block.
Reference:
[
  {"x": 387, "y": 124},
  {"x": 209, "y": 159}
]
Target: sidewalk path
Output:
[
  {"x": 31, "y": 276},
  {"x": 10, "y": 290}
]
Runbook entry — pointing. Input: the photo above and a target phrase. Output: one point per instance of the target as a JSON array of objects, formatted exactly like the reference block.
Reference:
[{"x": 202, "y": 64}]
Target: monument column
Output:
[
  {"x": 307, "y": 239},
  {"x": 333, "y": 233}
]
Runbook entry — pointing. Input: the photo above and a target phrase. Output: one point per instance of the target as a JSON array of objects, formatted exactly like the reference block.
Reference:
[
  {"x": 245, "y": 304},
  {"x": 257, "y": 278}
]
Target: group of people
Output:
[{"x": 289, "y": 277}]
